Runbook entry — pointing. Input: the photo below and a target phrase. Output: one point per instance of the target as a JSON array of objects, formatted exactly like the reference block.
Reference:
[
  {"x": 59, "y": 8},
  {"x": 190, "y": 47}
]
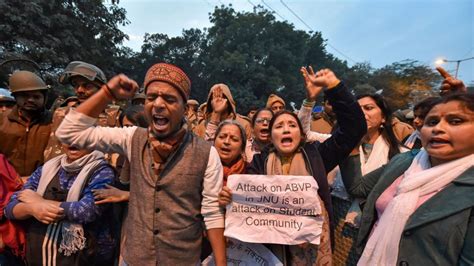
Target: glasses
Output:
[{"x": 262, "y": 120}]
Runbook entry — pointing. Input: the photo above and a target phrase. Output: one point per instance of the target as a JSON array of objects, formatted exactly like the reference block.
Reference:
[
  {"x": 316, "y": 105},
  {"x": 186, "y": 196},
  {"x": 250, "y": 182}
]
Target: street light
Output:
[{"x": 458, "y": 62}]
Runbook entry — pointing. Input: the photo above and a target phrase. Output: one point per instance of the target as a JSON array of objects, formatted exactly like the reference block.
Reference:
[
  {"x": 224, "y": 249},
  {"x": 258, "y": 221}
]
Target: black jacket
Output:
[{"x": 323, "y": 157}]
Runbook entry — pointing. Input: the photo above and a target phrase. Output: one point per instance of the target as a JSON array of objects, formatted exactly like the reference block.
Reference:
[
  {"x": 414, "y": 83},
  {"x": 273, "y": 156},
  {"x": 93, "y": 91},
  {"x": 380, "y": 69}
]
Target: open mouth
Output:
[
  {"x": 73, "y": 148},
  {"x": 286, "y": 142},
  {"x": 264, "y": 132},
  {"x": 160, "y": 121},
  {"x": 438, "y": 142},
  {"x": 225, "y": 150}
]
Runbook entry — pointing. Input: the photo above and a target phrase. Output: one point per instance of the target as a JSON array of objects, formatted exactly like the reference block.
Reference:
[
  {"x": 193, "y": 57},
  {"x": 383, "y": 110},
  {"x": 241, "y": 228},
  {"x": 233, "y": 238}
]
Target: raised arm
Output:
[
  {"x": 312, "y": 91},
  {"x": 351, "y": 122},
  {"x": 78, "y": 127}
]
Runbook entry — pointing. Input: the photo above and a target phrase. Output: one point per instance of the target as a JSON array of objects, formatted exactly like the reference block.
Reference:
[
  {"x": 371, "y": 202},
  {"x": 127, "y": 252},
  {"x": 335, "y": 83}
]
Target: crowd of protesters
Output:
[{"x": 92, "y": 183}]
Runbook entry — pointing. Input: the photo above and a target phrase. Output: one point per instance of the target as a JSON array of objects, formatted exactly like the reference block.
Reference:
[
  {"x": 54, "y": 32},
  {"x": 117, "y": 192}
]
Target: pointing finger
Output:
[{"x": 443, "y": 72}]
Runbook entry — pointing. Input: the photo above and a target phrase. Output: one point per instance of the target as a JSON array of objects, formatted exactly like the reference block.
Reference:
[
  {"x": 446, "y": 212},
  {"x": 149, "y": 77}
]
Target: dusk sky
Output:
[{"x": 377, "y": 31}]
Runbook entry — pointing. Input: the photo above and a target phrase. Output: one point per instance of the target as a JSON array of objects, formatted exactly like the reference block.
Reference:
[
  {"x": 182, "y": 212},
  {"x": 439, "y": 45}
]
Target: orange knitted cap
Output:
[{"x": 170, "y": 74}]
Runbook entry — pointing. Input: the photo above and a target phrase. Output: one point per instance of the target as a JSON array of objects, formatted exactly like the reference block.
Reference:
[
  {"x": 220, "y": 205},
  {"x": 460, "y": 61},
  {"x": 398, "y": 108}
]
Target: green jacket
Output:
[{"x": 439, "y": 232}]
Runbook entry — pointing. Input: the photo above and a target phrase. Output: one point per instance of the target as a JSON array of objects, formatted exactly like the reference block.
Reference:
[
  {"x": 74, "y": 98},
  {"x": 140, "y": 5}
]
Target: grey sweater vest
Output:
[{"x": 164, "y": 223}]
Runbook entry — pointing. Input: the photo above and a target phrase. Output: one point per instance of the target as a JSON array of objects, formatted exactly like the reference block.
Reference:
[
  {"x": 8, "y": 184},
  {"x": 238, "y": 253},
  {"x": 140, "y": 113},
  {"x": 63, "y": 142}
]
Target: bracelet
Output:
[
  {"x": 108, "y": 92},
  {"x": 307, "y": 103}
]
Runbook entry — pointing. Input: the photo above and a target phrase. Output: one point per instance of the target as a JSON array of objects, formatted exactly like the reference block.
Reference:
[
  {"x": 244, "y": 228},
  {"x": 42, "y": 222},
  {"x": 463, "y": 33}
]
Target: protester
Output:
[
  {"x": 261, "y": 133},
  {"x": 12, "y": 234},
  {"x": 7, "y": 101},
  {"x": 450, "y": 84},
  {"x": 65, "y": 227},
  {"x": 230, "y": 142},
  {"x": 378, "y": 146},
  {"x": 424, "y": 197},
  {"x": 419, "y": 112},
  {"x": 86, "y": 79},
  {"x": 24, "y": 130},
  {"x": 221, "y": 106},
  {"x": 175, "y": 174},
  {"x": 252, "y": 112},
  {"x": 133, "y": 115},
  {"x": 291, "y": 155},
  {"x": 275, "y": 103}
]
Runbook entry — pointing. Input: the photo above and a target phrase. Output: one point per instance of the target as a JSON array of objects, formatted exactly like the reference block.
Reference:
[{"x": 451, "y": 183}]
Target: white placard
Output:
[
  {"x": 274, "y": 209},
  {"x": 243, "y": 254}
]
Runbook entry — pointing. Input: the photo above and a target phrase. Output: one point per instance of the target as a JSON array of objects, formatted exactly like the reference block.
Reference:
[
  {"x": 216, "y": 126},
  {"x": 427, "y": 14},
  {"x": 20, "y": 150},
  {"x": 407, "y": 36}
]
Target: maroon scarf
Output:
[
  {"x": 162, "y": 149},
  {"x": 236, "y": 168}
]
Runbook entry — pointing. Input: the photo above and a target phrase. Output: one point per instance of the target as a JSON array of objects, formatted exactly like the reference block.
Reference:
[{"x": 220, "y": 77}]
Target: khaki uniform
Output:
[
  {"x": 23, "y": 143},
  {"x": 322, "y": 123},
  {"x": 401, "y": 130},
  {"x": 108, "y": 118}
]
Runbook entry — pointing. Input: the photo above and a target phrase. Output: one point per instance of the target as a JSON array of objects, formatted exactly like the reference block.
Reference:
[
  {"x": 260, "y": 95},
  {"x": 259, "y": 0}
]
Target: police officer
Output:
[
  {"x": 86, "y": 79},
  {"x": 24, "y": 130},
  {"x": 7, "y": 101}
]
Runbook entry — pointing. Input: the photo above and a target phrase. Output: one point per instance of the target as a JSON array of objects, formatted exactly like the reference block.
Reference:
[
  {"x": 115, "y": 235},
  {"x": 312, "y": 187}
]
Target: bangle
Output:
[
  {"x": 307, "y": 103},
  {"x": 108, "y": 92}
]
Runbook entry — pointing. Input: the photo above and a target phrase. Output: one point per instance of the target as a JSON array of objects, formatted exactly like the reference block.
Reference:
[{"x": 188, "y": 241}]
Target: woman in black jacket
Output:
[{"x": 291, "y": 155}]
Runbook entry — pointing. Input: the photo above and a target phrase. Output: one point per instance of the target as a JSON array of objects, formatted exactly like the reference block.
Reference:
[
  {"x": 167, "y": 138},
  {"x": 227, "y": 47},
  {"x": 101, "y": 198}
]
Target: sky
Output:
[{"x": 380, "y": 32}]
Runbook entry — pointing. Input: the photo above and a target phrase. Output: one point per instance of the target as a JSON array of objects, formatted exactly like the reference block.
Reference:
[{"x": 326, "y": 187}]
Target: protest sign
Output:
[
  {"x": 274, "y": 209},
  {"x": 240, "y": 253}
]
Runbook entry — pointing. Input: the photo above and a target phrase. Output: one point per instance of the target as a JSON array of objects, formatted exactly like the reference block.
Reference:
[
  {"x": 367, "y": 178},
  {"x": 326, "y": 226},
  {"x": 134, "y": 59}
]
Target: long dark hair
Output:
[
  {"x": 300, "y": 126},
  {"x": 135, "y": 114},
  {"x": 387, "y": 131}
]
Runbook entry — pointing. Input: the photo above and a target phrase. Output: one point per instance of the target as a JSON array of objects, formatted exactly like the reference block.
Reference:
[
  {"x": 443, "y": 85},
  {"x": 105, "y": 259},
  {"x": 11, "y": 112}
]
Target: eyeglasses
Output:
[{"x": 262, "y": 120}]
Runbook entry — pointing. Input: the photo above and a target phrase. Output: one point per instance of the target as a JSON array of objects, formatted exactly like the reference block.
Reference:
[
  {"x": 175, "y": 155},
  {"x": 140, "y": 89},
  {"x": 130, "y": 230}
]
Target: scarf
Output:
[
  {"x": 412, "y": 139},
  {"x": 293, "y": 165},
  {"x": 11, "y": 233},
  {"x": 418, "y": 180},
  {"x": 72, "y": 233},
  {"x": 162, "y": 149},
  {"x": 377, "y": 158},
  {"x": 236, "y": 168}
]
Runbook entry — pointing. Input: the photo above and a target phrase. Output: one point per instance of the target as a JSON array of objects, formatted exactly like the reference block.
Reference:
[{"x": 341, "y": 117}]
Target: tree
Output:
[
  {"x": 53, "y": 33},
  {"x": 400, "y": 78},
  {"x": 256, "y": 55}
]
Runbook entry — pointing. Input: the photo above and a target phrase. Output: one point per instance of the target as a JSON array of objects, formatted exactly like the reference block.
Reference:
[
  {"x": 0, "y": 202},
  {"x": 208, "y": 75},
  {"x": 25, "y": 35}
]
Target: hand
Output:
[
  {"x": 110, "y": 194},
  {"x": 29, "y": 196},
  {"x": 218, "y": 102},
  {"x": 450, "y": 84},
  {"x": 324, "y": 78},
  {"x": 312, "y": 90},
  {"x": 225, "y": 196},
  {"x": 47, "y": 211},
  {"x": 122, "y": 87}
]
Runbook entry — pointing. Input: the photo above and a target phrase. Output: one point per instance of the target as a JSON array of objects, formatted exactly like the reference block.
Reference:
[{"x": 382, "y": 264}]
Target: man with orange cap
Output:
[{"x": 177, "y": 176}]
